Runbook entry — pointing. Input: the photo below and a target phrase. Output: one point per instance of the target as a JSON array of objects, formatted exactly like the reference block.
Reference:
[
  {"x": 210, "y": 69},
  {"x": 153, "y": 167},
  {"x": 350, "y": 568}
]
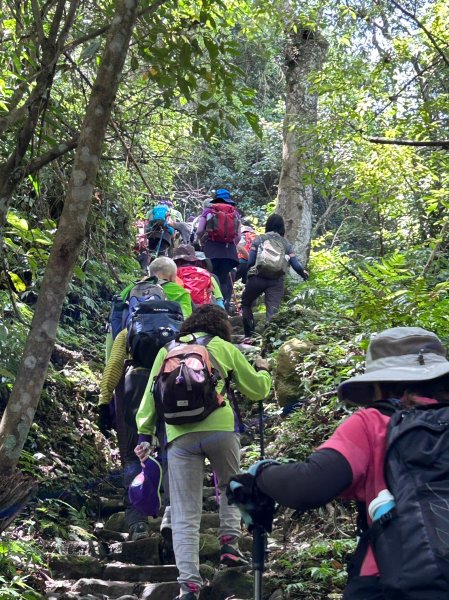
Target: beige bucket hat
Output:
[{"x": 397, "y": 354}]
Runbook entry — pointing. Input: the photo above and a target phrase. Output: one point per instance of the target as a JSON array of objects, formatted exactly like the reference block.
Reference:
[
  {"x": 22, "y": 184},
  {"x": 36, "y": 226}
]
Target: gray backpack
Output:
[{"x": 271, "y": 261}]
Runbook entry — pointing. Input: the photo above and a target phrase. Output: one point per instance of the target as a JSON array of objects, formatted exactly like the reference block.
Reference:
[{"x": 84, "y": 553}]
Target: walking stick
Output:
[{"x": 259, "y": 533}]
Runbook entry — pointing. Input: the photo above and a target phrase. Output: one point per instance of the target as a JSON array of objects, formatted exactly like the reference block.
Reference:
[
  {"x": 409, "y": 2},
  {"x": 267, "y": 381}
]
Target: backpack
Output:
[
  {"x": 222, "y": 222},
  {"x": 411, "y": 541},
  {"x": 158, "y": 214},
  {"x": 185, "y": 388},
  {"x": 198, "y": 282},
  {"x": 141, "y": 237},
  {"x": 153, "y": 324},
  {"x": 271, "y": 261},
  {"x": 143, "y": 291},
  {"x": 246, "y": 240}
]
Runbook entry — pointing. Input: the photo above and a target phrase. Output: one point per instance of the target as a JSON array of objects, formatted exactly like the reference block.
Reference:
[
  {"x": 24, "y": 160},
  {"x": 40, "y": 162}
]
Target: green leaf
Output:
[
  {"x": 253, "y": 121},
  {"x": 17, "y": 222},
  {"x": 9, "y": 375},
  {"x": 19, "y": 285}
]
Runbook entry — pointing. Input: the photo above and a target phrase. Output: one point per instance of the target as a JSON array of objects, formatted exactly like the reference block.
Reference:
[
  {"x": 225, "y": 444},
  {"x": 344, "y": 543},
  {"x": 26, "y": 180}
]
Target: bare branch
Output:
[
  {"x": 97, "y": 32},
  {"x": 51, "y": 155},
  {"x": 444, "y": 144}
]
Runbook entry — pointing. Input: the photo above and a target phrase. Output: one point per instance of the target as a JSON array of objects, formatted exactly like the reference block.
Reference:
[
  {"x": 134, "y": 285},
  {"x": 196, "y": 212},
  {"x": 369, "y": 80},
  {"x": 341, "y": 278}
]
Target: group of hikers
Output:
[
  {"x": 230, "y": 249},
  {"x": 167, "y": 386}
]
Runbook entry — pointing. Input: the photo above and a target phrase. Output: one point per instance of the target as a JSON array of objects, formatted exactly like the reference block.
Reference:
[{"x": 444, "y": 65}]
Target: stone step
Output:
[
  {"x": 116, "y": 522},
  {"x": 110, "y": 505},
  {"x": 140, "y": 573},
  {"x": 108, "y": 588},
  {"x": 141, "y": 552}
]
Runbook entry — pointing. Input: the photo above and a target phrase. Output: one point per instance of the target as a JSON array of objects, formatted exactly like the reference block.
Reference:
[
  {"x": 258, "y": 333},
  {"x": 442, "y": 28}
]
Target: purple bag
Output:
[{"x": 144, "y": 491}]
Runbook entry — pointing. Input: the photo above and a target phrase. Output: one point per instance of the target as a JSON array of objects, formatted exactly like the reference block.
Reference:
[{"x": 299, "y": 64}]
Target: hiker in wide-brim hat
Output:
[
  {"x": 392, "y": 457},
  {"x": 396, "y": 355},
  {"x": 184, "y": 252}
]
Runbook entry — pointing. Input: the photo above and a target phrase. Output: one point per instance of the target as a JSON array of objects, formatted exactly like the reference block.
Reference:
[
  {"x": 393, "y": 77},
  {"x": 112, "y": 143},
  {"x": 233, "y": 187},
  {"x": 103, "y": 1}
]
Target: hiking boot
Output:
[
  {"x": 138, "y": 531},
  {"x": 230, "y": 554},
  {"x": 189, "y": 591}
]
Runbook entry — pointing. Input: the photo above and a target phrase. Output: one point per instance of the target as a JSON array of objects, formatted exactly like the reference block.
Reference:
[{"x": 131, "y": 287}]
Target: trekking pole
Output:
[
  {"x": 259, "y": 541},
  {"x": 236, "y": 303},
  {"x": 160, "y": 242},
  {"x": 261, "y": 433}
]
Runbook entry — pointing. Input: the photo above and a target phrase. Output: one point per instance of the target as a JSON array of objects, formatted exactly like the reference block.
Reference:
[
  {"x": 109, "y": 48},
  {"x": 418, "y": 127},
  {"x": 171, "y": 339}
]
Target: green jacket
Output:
[
  {"x": 114, "y": 369},
  {"x": 253, "y": 384}
]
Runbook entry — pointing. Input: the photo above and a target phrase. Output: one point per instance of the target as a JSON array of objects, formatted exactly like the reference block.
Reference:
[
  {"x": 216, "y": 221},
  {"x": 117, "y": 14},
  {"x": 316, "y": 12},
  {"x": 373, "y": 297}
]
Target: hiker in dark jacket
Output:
[
  {"x": 222, "y": 254},
  {"x": 267, "y": 279},
  {"x": 405, "y": 366}
]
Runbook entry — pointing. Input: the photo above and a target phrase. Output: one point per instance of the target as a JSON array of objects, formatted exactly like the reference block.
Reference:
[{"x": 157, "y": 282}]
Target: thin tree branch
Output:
[
  {"x": 440, "y": 240},
  {"x": 444, "y": 144},
  {"x": 51, "y": 155},
  {"x": 117, "y": 131},
  {"x": 97, "y": 32},
  {"x": 430, "y": 36}
]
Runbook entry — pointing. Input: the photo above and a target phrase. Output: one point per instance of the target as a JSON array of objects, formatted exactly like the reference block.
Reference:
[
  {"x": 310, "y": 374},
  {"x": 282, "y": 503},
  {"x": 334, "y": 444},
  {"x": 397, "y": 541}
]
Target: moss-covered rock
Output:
[
  {"x": 75, "y": 567},
  {"x": 287, "y": 383}
]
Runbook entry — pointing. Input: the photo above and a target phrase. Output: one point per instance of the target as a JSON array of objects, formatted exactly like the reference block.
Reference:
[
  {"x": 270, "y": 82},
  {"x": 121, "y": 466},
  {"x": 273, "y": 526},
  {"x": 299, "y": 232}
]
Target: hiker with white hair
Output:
[{"x": 392, "y": 457}]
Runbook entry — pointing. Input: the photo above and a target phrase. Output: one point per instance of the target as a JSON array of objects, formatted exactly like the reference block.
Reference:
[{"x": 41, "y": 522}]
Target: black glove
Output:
[
  {"x": 104, "y": 420},
  {"x": 256, "y": 508}
]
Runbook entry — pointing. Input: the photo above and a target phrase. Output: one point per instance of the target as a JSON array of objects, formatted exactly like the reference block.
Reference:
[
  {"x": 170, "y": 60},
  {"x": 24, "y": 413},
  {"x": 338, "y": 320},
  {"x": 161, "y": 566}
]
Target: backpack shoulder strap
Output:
[{"x": 227, "y": 382}]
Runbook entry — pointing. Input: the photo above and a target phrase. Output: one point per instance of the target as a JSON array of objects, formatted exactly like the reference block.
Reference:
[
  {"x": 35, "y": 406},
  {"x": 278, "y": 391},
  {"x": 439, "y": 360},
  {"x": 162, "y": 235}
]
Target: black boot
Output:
[{"x": 248, "y": 327}]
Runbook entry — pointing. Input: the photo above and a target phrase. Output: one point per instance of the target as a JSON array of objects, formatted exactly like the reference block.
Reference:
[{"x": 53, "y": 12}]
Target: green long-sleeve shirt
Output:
[
  {"x": 253, "y": 384},
  {"x": 114, "y": 368}
]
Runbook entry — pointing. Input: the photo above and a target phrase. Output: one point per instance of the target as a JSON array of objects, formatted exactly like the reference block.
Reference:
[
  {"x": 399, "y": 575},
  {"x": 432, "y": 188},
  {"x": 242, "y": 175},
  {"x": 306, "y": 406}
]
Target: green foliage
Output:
[{"x": 20, "y": 561}]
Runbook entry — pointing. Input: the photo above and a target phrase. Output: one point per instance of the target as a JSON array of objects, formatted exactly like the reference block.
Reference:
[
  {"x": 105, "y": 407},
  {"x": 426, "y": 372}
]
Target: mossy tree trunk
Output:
[
  {"x": 304, "y": 53},
  {"x": 21, "y": 408}
]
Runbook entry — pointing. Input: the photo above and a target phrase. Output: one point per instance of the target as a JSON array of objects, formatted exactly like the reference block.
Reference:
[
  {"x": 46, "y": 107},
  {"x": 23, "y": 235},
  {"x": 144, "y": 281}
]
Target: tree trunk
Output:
[
  {"x": 19, "y": 413},
  {"x": 305, "y": 52}
]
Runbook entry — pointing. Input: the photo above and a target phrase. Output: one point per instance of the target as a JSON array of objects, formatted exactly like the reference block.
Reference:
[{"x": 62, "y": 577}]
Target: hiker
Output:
[
  {"x": 269, "y": 259},
  {"x": 129, "y": 384},
  {"x": 243, "y": 249},
  {"x": 160, "y": 230},
  {"x": 205, "y": 263},
  {"x": 392, "y": 456},
  {"x": 196, "y": 280},
  {"x": 214, "y": 437},
  {"x": 219, "y": 233}
]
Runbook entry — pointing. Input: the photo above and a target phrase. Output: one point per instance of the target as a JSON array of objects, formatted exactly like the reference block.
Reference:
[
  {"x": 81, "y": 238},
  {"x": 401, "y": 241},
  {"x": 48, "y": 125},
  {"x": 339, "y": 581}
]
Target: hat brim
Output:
[
  {"x": 187, "y": 257},
  {"x": 359, "y": 385}
]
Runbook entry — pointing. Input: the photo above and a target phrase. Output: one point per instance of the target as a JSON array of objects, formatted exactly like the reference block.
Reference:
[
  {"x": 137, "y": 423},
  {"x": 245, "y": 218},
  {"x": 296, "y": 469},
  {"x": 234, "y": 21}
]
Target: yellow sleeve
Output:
[
  {"x": 114, "y": 368},
  {"x": 146, "y": 415}
]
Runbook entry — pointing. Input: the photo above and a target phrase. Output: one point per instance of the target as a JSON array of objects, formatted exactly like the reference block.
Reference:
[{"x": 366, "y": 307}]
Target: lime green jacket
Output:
[
  {"x": 114, "y": 369},
  {"x": 253, "y": 384}
]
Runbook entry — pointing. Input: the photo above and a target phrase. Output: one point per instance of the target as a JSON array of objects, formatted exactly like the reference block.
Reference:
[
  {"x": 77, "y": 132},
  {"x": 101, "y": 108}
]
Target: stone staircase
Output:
[{"x": 109, "y": 567}]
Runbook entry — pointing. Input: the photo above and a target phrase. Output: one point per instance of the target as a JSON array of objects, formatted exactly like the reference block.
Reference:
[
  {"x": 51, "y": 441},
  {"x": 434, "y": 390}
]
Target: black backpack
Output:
[
  {"x": 411, "y": 541},
  {"x": 153, "y": 324}
]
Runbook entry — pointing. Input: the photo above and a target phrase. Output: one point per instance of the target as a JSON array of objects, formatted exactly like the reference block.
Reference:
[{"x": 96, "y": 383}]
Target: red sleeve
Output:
[{"x": 351, "y": 439}]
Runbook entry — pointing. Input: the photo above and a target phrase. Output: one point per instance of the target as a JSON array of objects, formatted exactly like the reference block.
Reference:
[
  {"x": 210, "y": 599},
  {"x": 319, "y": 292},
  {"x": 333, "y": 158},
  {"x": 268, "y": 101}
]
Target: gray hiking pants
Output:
[
  {"x": 186, "y": 455},
  {"x": 255, "y": 287}
]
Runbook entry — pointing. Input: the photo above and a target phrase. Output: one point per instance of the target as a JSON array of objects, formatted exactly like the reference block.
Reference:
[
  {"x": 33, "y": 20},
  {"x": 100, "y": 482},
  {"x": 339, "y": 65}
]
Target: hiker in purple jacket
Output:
[{"x": 219, "y": 233}]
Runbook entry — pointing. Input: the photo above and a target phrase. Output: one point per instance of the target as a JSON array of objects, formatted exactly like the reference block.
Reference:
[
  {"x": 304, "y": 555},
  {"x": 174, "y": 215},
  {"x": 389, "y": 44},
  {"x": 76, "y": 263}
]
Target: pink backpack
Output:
[{"x": 198, "y": 282}]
